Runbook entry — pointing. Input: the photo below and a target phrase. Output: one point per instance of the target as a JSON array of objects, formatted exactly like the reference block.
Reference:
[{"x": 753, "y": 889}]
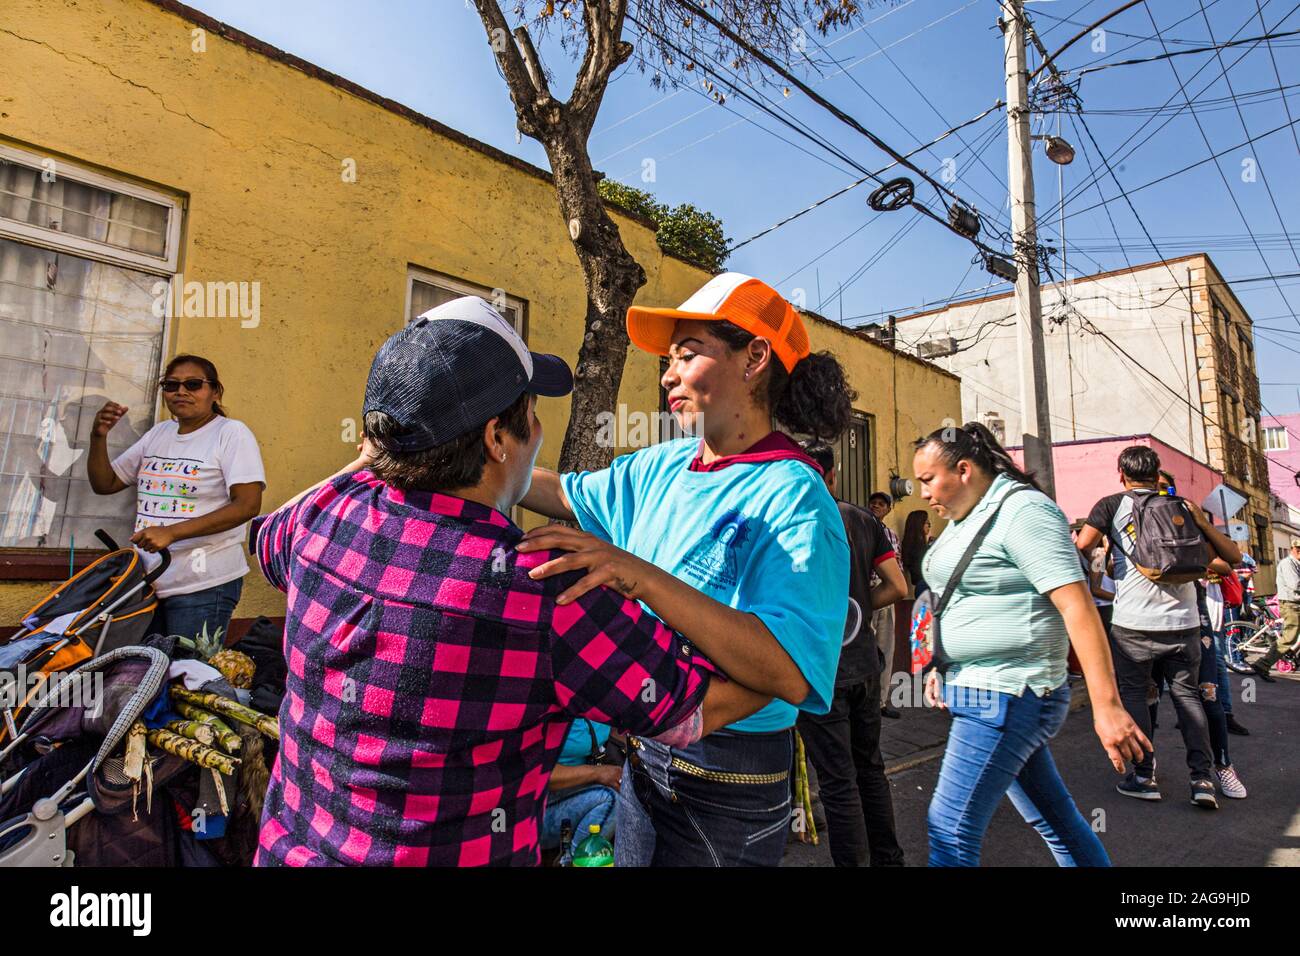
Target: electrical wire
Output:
[
  {"x": 1208, "y": 145},
  {"x": 830, "y": 107},
  {"x": 858, "y": 182},
  {"x": 1178, "y": 172},
  {"x": 1083, "y": 187},
  {"x": 1168, "y": 56}
]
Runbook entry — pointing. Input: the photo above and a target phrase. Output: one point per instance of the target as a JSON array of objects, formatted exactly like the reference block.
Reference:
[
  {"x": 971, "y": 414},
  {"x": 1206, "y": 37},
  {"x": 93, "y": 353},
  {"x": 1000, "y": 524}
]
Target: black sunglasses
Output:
[{"x": 170, "y": 385}]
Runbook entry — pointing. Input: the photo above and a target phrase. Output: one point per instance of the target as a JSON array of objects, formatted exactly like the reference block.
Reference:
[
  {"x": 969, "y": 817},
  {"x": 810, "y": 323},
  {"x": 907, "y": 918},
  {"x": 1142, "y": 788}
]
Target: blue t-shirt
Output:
[
  {"x": 577, "y": 745},
  {"x": 762, "y": 537}
]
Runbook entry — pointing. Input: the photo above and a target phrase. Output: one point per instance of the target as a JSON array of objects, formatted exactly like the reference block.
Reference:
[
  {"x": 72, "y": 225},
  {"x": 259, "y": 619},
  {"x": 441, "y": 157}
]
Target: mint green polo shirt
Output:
[{"x": 999, "y": 629}]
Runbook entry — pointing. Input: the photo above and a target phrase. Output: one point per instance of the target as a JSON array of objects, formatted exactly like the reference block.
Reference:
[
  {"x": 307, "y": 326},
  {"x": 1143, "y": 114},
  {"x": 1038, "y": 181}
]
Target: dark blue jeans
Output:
[
  {"x": 186, "y": 614},
  {"x": 998, "y": 746},
  {"x": 670, "y": 813}
]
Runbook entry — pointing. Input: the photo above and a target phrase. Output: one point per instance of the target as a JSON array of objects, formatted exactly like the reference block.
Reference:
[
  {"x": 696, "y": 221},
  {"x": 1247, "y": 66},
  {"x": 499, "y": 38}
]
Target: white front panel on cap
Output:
[
  {"x": 471, "y": 308},
  {"x": 710, "y": 296}
]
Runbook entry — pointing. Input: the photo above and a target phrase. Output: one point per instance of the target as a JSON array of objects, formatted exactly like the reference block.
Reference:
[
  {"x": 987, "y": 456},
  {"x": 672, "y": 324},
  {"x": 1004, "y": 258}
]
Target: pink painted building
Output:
[
  {"x": 1087, "y": 470},
  {"x": 1282, "y": 446}
]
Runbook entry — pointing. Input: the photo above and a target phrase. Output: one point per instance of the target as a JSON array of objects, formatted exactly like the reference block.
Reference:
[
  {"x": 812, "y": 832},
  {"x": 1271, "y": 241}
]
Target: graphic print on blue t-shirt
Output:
[{"x": 715, "y": 560}]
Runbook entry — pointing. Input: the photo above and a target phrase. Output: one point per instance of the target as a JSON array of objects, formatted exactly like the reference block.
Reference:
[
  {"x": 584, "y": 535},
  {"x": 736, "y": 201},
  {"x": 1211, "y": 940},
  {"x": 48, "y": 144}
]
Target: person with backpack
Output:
[
  {"x": 1011, "y": 597},
  {"x": 1288, "y": 606},
  {"x": 1161, "y": 544}
]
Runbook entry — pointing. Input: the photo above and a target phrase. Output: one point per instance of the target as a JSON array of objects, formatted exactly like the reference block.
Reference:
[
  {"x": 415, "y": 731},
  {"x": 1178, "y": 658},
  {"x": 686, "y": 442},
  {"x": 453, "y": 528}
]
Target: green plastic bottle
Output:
[{"x": 594, "y": 850}]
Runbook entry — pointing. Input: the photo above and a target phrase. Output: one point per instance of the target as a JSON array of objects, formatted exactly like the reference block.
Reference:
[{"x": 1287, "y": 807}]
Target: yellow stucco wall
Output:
[{"x": 256, "y": 148}]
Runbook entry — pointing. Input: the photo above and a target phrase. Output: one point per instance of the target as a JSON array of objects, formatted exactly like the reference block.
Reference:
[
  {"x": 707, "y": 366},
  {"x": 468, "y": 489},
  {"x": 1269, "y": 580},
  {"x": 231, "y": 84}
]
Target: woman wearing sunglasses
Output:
[
  {"x": 198, "y": 479},
  {"x": 733, "y": 537}
]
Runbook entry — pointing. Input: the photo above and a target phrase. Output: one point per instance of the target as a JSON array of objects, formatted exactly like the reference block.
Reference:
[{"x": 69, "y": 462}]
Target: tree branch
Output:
[
  {"x": 606, "y": 51},
  {"x": 532, "y": 62},
  {"x": 524, "y": 76}
]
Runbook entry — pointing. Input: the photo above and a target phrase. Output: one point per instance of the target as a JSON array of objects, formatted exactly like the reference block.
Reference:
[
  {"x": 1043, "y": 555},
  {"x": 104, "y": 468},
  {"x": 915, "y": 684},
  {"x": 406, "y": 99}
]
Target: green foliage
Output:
[
  {"x": 693, "y": 234},
  {"x": 203, "y": 643}
]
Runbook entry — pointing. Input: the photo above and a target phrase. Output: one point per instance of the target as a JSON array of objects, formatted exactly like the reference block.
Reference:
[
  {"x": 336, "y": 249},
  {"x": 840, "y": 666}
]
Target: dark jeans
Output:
[
  {"x": 844, "y": 747},
  {"x": 186, "y": 614},
  {"x": 1212, "y": 700},
  {"x": 1178, "y": 653},
  {"x": 671, "y": 813}
]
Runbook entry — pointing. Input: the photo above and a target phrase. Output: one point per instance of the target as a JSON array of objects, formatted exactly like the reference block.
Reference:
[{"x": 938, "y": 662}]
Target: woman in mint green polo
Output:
[{"x": 1005, "y": 633}]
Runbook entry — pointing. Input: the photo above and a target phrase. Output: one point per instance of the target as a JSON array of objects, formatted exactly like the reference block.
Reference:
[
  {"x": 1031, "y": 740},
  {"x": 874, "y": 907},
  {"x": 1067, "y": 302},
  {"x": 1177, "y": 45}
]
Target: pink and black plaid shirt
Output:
[{"x": 431, "y": 681}]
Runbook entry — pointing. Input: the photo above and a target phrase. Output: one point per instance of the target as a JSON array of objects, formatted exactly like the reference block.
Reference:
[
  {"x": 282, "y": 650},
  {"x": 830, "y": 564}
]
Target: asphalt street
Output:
[{"x": 1261, "y": 830}]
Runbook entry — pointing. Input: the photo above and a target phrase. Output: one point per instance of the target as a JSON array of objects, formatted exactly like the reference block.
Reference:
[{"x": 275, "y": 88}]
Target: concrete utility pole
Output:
[{"x": 1036, "y": 422}]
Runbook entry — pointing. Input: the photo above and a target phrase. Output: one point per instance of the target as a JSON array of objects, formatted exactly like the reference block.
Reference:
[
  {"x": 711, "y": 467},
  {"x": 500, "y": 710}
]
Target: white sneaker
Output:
[{"x": 1230, "y": 784}]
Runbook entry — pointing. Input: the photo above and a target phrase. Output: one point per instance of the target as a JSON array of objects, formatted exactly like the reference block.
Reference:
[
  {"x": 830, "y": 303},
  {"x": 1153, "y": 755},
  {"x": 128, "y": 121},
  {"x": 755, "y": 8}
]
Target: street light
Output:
[{"x": 1058, "y": 150}]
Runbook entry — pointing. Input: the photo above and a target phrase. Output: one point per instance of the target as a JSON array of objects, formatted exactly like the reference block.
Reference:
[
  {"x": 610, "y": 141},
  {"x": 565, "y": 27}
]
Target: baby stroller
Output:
[
  {"x": 110, "y": 693},
  {"x": 107, "y": 605}
]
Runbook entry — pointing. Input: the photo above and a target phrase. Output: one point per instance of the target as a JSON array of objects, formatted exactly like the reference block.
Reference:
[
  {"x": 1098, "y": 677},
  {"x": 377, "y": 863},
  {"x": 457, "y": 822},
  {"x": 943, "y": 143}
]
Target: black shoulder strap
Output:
[
  {"x": 974, "y": 546},
  {"x": 596, "y": 750}
]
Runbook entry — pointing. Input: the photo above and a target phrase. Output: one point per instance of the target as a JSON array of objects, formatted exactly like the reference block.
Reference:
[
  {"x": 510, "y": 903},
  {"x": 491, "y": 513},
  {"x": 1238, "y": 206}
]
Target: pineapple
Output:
[{"x": 235, "y": 666}]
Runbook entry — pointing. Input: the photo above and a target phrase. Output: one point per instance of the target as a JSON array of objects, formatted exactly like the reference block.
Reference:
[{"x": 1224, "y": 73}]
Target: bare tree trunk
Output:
[
  {"x": 612, "y": 278},
  {"x": 610, "y": 274}
]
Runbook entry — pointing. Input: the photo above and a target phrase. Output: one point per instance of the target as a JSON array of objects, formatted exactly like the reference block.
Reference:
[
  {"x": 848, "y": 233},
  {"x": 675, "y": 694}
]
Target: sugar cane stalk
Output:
[
  {"x": 205, "y": 734},
  {"x": 192, "y": 750},
  {"x": 802, "y": 788},
  {"x": 269, "y": 726},
  {"x": 227, "y": 739},
  {"x": 133, "y": 762}
]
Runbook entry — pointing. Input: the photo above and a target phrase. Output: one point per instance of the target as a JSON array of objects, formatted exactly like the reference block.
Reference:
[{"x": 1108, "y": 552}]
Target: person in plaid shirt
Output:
[{"x": 431, "y": 681}]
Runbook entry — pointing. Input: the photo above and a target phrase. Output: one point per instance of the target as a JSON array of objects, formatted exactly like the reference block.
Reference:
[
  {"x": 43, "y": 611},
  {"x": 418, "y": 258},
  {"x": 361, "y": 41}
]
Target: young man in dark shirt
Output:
[
  {"x": 1155, "y": 625},
  {"x": 844, "y": 744}
]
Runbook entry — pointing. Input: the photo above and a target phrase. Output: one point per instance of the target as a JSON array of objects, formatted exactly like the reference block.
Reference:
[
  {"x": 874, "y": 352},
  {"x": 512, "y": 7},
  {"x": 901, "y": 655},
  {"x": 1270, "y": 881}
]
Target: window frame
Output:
[
  {"x": 1277, "y": 431},
  {"x": 166, "y": 266},
  {"x": 52, "y": 564},
  {"x": 416, "y": 273}
]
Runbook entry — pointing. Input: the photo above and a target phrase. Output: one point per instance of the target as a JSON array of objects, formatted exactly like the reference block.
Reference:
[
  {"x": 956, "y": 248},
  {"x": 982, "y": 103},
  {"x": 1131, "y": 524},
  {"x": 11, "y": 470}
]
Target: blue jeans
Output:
[
  {"x": 669, "y": 815},
  {"x": 1228, "y": 644},
  {"x": 1221, "y": 651},
  {"x": 998, "y": 745},
  {"x": 186, "y": 614},
  {"x": 581, "y": 806}
]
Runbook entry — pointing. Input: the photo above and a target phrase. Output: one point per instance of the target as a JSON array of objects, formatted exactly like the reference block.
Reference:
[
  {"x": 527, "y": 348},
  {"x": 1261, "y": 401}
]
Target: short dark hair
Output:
[
  {"x": 209, "y": 370},
  {"x": 1139, "y": 463},
  {"x": 453, "y": 464},
  {"x": 881, "y": 496},
  {"x": 821, "y": 453}
]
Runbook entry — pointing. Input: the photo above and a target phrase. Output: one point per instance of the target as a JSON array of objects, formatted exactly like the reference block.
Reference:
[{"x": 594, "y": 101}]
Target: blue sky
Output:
[{"x": 432, "y": 55}]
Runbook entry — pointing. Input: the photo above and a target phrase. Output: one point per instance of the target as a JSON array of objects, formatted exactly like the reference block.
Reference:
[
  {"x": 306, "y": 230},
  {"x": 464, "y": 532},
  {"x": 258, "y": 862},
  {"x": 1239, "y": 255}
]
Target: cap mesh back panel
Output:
[{"x": 797, "y": 337}]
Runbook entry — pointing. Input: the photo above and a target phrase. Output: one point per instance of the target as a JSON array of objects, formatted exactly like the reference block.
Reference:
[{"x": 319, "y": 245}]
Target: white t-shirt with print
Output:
[{"x": 178, "y": 477}]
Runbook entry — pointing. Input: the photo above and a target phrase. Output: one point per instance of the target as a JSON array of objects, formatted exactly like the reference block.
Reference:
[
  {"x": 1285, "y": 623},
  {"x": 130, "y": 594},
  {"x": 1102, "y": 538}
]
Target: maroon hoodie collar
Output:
[{"x": 775, "y": 446}]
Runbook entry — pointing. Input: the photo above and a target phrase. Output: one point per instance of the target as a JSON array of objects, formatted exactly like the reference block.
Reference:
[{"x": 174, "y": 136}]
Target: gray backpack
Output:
[{"x": 1168, "y": 547}]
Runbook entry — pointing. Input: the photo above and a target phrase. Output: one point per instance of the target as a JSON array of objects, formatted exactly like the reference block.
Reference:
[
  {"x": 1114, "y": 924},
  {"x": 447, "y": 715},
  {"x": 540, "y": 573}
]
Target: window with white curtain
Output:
[
  {"x": 81, "y": 262},
  {"x": 426, "y": 290},
  {"x": 1275, "y": 439}
]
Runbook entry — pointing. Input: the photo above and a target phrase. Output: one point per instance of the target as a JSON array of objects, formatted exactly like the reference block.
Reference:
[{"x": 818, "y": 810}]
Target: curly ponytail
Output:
[
  {"x": 973, "y": 442},
  {"x": 814, "y": 399}
]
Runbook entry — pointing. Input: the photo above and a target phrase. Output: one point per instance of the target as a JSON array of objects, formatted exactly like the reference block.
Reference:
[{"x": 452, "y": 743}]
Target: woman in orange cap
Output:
[{"x": 732, "y": 530}]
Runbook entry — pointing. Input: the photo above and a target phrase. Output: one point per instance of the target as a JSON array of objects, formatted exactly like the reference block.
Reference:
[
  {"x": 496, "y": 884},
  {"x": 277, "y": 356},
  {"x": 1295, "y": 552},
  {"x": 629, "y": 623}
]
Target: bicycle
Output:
[{"x": 1258, "y": 635}]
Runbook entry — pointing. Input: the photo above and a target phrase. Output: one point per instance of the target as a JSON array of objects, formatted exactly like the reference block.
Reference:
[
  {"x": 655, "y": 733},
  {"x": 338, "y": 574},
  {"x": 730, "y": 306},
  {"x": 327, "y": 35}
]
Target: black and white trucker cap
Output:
[{"x": 453, "y": 369}]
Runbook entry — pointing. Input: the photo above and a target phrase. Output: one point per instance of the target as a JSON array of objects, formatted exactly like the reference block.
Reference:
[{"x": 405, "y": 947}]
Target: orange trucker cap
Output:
[{"x": 739, "y": 299}]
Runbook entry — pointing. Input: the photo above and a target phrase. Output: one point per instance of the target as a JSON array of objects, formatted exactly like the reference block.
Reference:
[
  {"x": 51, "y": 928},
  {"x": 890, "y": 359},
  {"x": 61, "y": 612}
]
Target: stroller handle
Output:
[{"x": 153, "y": 575}]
